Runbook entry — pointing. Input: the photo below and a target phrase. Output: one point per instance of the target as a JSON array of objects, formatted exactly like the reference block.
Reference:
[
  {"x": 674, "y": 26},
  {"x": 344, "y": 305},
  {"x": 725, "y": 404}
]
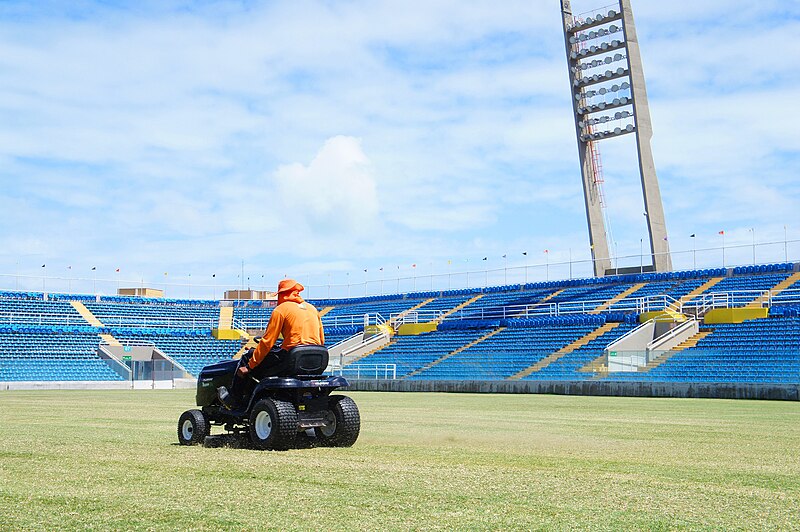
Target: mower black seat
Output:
[{"x": 306, "y": 360}]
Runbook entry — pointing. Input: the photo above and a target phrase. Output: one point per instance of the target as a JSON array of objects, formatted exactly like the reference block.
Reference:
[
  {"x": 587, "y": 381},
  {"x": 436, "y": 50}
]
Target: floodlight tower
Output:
[{"x": 609, "y": 100}]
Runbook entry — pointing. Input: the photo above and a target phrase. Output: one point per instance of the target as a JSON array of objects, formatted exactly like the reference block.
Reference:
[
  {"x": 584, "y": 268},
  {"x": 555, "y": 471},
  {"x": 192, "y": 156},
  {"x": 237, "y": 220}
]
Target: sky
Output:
[{"x": 200, "y": 146}]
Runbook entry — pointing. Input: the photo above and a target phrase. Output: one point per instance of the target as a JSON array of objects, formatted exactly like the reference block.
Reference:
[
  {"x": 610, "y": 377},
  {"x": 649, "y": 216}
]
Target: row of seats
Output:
[
  {"x": 595, "y": 320},
  {"x": 764, "y": 268}
]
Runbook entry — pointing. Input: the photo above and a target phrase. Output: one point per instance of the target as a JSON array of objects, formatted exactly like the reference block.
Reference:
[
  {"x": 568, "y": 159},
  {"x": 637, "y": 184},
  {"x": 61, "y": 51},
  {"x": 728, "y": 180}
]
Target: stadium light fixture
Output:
[{"x": 592, "y": 42}]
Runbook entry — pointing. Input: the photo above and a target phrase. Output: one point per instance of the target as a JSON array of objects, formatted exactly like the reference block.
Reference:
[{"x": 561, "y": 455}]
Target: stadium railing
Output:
[{"x": 367, "y": 371}]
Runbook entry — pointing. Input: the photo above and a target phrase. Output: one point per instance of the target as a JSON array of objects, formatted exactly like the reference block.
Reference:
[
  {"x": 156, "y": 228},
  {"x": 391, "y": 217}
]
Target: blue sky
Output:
[{"x": 320, "y": 139}]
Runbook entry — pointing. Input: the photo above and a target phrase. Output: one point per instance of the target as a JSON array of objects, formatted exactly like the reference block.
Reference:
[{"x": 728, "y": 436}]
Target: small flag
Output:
[
  {"x": 547, "y": 251},
  {"x": 449, "y": 262},
  {"x": 692, "y": 235},
  {"x": 665, "y": 238},
  {"x": 165, "y": 274},
  {"x": 213, "y": 275},
  {"x": 94, "y": 268},
  {"x": 722, "y": 232},
  {"x": 69, "y": 267},
  {"x": 117, "y": 270},
  {"x": 413, "y": 265},
  {"x": 504, "y": 256},
  {"x": 365, "y": 271},
  {"x": 485, "y": 258},
  {"x": 43, "y": 265},
  {"x": 525, "y": 253},
  {"x": 381, "y": 268}
]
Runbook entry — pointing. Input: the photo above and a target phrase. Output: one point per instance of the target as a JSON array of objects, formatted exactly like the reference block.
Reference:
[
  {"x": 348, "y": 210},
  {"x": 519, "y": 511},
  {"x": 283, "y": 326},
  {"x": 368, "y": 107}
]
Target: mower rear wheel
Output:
[
  {"x": 193, "y": 427},
  {"x": 273, "y": 424},
  {"x": 343, "y": 423}
]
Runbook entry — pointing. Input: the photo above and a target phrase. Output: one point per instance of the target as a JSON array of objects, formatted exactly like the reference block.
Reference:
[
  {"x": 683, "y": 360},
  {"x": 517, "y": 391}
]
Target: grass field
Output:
[{"x": 110, "y": 459}]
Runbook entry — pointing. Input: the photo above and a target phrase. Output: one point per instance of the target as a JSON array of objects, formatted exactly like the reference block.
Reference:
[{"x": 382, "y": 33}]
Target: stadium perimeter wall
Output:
[{"x": 624, "y": 389}]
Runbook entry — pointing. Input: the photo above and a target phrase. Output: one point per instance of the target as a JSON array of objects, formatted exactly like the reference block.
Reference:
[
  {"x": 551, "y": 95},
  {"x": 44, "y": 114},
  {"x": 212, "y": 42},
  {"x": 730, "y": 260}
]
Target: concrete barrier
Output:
[
  {"x": 65, "y": 385},
  {"x": 98, "y": 385},
  {"x": 790, "y": 392},
  {"x": 786, "y": 392}
]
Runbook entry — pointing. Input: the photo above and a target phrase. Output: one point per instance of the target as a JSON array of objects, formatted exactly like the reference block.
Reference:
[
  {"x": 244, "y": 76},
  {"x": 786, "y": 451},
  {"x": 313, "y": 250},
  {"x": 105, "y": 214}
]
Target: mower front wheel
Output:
[
  {"x": 193, "y": 427},
  {"x": 273, "y": 425}
]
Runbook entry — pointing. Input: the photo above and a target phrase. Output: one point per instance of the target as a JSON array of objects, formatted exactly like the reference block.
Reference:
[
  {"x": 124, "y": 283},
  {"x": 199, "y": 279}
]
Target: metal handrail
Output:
[
  {"x": 670, "y": 334},
  {"x": 337, "y": 344},
  {"x": 37, "y": 318},
  {"x": 236, "y": 324},
  {"x": 131, "y": 343},
  {"x": 415, "y": 316},
  {"x": 122, "y": 369},
  {"x": 369, "y": 341},
  {"x": 389, "y": 370}
]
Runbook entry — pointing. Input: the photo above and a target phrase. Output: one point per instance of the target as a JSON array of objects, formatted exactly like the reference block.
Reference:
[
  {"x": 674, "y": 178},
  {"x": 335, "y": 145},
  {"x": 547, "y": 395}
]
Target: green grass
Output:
[{"x": 110, "y": 460}]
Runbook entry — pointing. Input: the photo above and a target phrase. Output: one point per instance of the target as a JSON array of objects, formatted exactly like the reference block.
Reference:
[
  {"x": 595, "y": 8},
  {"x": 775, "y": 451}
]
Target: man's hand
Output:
[{"x": 243, "y": 371}]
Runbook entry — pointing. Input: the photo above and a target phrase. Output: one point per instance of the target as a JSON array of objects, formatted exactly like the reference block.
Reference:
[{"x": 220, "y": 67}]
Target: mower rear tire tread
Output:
[
  {"x": 348, "y": 422},
  {"x": 282, "y": 421}
]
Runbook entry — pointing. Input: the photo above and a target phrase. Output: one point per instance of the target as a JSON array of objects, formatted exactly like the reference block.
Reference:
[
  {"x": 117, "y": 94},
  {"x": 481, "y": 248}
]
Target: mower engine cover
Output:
[{"x": 212, "y": 377}]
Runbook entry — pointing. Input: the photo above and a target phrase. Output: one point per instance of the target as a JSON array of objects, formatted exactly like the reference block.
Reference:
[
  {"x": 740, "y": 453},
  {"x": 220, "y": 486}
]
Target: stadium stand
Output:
[
  {"x": 547, "y": 331},
  {"x": 43, "y": 353}
]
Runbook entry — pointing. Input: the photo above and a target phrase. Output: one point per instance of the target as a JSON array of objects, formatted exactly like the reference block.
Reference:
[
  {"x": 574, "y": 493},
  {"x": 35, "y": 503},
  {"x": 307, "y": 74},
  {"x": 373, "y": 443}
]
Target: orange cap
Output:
[{"x": 287, "y": 285}]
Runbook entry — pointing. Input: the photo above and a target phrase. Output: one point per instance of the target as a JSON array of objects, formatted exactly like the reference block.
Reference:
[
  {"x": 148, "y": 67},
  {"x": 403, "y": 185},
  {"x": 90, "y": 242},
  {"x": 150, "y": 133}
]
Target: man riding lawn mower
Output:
[{"x": 275, "y": 392}]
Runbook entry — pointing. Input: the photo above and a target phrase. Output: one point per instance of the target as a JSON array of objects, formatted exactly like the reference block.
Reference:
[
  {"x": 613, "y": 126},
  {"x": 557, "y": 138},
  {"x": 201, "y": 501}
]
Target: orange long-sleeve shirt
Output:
[{"x": 299, "y": 323}]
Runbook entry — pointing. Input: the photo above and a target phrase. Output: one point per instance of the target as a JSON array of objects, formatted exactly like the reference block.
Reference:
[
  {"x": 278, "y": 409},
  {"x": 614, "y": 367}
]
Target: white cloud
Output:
[{"x": 335, "y": 192}]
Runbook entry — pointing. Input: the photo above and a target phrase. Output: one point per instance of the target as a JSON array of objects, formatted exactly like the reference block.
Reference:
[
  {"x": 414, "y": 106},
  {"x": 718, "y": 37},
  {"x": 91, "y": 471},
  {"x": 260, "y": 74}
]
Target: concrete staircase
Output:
[
  {"x": 90, "y": 318},
  {"x": 455, "y": 352},
  {"x": 225, "y": 330},
  {"x": 225, "y": 318},
  {"x": 247, "y": 343},
  {"x": 616, "y": 298},
  {"x": 686, "y": 344},
  {"x": 696, "y": 292},
  {"x": 775, "y": 290},
  {"x": 405, "y": 313},
  {"x": 459, "y": 307},
  {"x": 567, "y": 349},
  {"x": 598, "y": 367},
  {"x": 544, "y": 301},
  {"x": 110, "y": 340},
  {"x": 548, "y": 298}
]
